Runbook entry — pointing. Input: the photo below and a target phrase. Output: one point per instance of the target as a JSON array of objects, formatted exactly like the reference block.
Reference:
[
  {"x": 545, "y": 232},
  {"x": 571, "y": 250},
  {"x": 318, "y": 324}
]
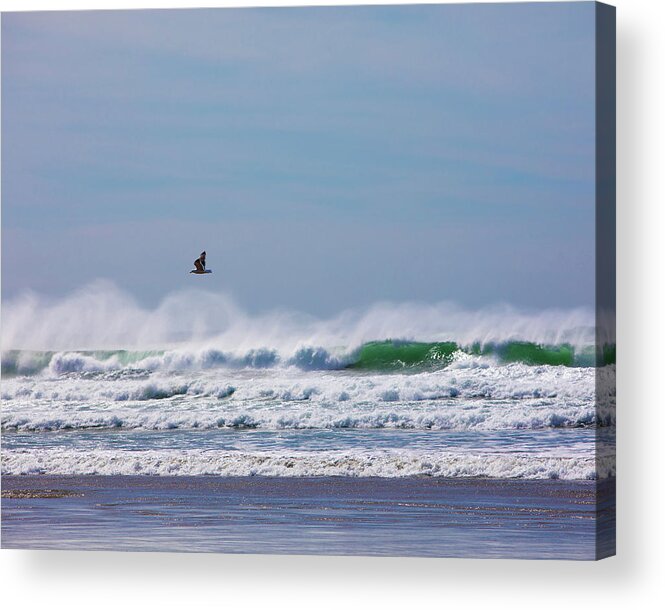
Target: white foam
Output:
[
  {"x": 395, "y": 463},
  {"x": 100, "y": 316},
  {"x": 514, "y": 396}
]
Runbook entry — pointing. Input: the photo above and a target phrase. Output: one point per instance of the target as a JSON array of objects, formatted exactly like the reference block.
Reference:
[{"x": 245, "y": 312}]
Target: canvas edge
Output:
[{"x": 605, "y": 178}]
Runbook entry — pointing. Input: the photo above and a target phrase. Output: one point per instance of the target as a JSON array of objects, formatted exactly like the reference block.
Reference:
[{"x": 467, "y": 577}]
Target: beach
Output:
[{"x": 414, "y": 516}]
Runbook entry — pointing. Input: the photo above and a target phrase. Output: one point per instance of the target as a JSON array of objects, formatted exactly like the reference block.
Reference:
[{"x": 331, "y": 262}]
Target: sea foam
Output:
[
  {"x": 102, "y": 317},
  {"x": 302, "y": 464}
]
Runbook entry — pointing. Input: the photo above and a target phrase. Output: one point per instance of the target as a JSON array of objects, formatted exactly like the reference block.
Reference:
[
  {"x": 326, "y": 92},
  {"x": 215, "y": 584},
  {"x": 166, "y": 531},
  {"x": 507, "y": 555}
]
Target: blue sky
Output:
[{"x": 324, "y": 157}]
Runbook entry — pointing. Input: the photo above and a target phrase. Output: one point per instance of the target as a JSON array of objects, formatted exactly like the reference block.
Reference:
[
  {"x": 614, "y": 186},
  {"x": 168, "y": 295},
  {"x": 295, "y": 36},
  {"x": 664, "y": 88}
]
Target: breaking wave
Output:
[
  {"x": 464, "y": 396},
  {"x": 377, "y": 356},
  {"x": 302, "y": 464},
  {"x": 103, "y": 368},
  {"x": 100, "y": 328}
]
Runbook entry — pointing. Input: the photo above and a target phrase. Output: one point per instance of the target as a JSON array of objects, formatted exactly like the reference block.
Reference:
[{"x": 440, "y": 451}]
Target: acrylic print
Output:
[{"x": 309, "y": 280}]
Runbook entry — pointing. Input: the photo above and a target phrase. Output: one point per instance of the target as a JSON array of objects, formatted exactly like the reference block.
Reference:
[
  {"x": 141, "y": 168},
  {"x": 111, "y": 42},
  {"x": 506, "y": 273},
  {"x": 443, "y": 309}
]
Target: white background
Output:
[{"x": 54, "y": 580}]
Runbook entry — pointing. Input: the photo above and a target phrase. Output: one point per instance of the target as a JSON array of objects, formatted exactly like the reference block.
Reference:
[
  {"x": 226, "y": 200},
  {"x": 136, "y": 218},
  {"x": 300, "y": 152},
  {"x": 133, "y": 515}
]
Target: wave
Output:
[
  {"x": 390, "y": 355},
  {"x": 474, "y": 417},
  {"x": 466, "y": 395},
  {"x": 395, "y": 463},
  {"x": 377, "y": 356}
]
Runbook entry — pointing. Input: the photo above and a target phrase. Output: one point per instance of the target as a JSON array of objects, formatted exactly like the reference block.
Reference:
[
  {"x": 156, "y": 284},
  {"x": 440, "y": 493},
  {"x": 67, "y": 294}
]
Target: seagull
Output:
[{"x": 200, "y": 264}]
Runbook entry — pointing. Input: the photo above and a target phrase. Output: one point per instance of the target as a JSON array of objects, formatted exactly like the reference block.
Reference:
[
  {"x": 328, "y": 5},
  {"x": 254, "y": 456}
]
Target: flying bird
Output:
[{"x": 200, "y": 264}]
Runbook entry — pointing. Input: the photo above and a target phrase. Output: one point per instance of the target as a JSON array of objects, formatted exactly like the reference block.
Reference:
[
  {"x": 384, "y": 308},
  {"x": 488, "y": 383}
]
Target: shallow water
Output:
[{"x": 331, "y": 515}]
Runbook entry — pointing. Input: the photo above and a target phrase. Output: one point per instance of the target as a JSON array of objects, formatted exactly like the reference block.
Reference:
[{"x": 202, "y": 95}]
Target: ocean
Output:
[
  {"x": 394, "y": 409},
  {"x": 512, "y": 398}
]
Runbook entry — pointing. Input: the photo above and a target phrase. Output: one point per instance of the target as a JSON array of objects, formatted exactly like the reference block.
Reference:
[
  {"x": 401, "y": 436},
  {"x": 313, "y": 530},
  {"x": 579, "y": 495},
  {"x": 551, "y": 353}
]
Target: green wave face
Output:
[
  {"x": 531, "y": 353},
  {"x": 29, "y": 362},
  {"x": 395, "y": 355},
  {"x": 389, "y": 355},
  {"x": 378, "y": 356}
]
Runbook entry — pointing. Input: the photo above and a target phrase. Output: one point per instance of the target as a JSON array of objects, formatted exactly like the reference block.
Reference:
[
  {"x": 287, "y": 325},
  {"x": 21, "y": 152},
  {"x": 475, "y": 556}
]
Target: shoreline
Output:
[{"x": 409, "y": 516}]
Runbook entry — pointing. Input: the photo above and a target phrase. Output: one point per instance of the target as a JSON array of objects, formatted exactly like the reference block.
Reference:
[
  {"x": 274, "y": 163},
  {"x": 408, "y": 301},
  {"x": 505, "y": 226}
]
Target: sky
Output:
[{"x": 325, "y": 158}]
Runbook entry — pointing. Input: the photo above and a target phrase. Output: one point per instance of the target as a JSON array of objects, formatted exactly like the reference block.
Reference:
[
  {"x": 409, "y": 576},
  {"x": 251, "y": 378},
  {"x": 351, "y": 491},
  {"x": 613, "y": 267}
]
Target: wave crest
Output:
[
  {"x": 101, "y": 316},
  {"x": 378, "y": 356}
]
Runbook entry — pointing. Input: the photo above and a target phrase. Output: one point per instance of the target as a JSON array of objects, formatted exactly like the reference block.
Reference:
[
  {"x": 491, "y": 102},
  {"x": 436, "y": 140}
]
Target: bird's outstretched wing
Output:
[{"x": 199, "y": 266}]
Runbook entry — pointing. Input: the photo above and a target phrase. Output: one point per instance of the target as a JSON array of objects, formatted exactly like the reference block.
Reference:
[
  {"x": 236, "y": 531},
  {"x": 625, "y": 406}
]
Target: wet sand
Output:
[{"x": 427, "y": 517}]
